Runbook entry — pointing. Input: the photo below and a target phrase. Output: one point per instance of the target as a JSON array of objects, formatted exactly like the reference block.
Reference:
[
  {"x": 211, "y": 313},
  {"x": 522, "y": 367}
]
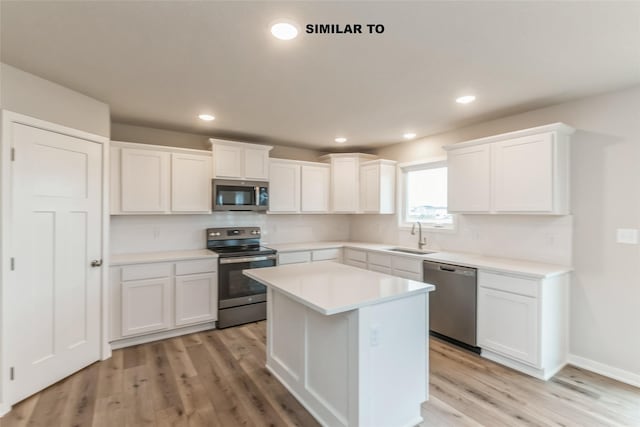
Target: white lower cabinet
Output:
[
  {"x": 145, "y": 306},
  {"x": 196, "y": 298},
  {"x": 517, "y": 337},
  {"x": 154, "y": 298},
  {"x": 523, "y": 322},
  {"x": 299, "y": 257}
]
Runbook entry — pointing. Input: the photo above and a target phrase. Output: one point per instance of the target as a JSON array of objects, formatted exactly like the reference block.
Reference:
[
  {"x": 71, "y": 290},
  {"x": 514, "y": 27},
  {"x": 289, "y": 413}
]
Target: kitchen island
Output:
[{"x": 351, "y": 345}]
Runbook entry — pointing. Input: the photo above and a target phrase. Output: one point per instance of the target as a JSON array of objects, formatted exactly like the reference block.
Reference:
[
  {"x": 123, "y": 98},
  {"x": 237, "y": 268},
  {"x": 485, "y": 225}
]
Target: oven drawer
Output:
[{"x": 196, "y": 267}]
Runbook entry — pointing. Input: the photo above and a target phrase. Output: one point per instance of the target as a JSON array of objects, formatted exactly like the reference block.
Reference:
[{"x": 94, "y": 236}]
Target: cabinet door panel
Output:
[
  {"x": 145, "y": 306},
  {"x": 228, "y": 161},
  {"x": 284, "y": 187},
  {"x": 508, "y": 324},
  {"x": 256, "y": 164},
  {"x": 196, "y": 298},
  {"x": 344, "y": 185},
  {"x": 316, "y": 181},
  {"x": 190, "y": 183},
  {"x": 469, "y": 179},
  {"x": 523, "y": 174},
  {"x": 370, "y": 188},
  {"x": 144, "y": 181}
]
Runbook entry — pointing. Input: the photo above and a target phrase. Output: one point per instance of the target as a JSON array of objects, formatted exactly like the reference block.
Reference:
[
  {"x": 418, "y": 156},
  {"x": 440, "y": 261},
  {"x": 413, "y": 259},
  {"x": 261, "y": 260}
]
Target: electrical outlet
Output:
[
  {"x": 627, "y": 235},
  {"x": 156, "y": 233}
]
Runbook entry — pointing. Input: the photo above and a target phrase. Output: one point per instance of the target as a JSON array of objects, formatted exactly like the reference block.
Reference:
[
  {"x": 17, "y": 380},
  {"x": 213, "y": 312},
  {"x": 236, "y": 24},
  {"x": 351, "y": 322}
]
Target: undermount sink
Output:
[{"x": 411, "y": 251}]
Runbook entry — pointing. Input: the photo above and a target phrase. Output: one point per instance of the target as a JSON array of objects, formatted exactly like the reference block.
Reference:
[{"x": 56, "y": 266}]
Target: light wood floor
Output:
[{"x": 217, "y": 378}]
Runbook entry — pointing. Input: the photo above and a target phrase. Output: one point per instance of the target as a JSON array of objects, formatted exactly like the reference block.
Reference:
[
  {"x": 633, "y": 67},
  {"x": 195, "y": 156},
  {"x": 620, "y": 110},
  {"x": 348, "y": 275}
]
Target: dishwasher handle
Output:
[{"x": 449, "y": 268}]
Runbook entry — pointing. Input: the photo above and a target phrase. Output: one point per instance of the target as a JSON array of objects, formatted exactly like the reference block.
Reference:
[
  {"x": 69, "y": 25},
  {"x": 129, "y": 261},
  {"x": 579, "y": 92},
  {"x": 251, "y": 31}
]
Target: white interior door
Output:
[{"x": 54, "y": 298}]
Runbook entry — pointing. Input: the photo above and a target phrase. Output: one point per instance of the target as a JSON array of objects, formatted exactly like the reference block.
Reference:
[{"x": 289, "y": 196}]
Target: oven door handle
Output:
[{"x": 246, "y": 259}]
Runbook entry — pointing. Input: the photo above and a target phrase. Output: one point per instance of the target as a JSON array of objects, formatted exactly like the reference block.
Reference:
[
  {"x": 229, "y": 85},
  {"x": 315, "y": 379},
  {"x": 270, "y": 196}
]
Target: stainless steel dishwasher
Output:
[{"x": 452, "y": 306}]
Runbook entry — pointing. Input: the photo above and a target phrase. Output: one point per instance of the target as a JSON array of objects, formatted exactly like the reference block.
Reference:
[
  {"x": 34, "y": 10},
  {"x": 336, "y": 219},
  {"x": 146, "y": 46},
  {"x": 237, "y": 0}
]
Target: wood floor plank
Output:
[
  {"x": 162, "y": 389},
  {"x": 250, "y": 396},
  {"x": 111, "y": 375},
  {"x": 138, "y": 408},
  {"x": 228, "y": 409},
  {"x": 218, "y": 378}
]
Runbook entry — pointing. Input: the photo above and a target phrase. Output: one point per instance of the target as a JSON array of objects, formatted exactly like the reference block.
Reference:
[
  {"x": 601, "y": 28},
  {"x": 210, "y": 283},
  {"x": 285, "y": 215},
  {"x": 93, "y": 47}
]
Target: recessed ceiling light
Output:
[
  {"x": 284, "y": 30},
  {"x": 341, "y": 140},
  {"x": 465, "y": 99},
  {"x": 206, "y": 117},
  {"x": 409, "y": 135}
]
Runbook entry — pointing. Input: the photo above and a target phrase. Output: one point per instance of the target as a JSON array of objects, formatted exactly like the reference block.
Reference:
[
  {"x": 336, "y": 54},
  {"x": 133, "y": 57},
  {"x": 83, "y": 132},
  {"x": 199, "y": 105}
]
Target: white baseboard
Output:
[
  {"x": 606, "y": 370},
  {"x": 143, "y": 339}
]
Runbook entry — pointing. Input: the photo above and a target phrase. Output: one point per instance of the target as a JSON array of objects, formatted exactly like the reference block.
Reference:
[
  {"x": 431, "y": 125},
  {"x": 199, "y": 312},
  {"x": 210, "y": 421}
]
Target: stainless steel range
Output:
[{"x": 240, "y": 299}]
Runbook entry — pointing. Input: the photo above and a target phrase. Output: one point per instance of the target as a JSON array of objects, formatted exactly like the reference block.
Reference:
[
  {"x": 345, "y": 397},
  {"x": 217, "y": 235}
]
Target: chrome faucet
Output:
[{"x": 422, "y": 241}]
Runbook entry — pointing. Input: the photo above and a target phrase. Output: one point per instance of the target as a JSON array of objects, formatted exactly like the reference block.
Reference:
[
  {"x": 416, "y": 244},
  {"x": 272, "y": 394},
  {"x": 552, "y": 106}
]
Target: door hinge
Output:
[
  {"x": 13, "y": 154},
  {"x": 12, "y": 372},
  {"x": 13, "y": 264}
]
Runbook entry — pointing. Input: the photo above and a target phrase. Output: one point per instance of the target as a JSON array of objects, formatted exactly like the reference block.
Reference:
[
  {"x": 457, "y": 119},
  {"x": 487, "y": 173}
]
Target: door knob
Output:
[{"x": 96, "y": 263}]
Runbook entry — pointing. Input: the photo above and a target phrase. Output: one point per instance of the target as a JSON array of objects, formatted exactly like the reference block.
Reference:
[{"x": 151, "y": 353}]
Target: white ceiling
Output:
[{"x": 162, "y": 63}]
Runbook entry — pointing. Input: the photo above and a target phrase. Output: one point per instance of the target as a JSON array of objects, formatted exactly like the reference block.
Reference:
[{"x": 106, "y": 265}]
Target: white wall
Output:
[
  {"x": 532, "y": 238},
  {"x": 33, "y": 96},
  {"x": 605, "y": 174},
  {"x": 151, "y": 233}
]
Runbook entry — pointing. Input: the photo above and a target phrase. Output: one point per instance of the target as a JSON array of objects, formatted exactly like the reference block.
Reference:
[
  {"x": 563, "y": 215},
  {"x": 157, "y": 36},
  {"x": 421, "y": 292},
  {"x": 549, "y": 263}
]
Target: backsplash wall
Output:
[
  {"x": 532, "y": 238},
  {"x": 156, "y": 233}
]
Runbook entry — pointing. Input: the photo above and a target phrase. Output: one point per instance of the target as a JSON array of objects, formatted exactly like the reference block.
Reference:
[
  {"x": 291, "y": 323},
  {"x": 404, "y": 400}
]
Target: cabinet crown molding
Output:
[
  {"x": 214, "y": 141},
  {"x": 361, "y": 156},
  {"x": 553, "y": 127},
  {"x": 167, "y": 148}
]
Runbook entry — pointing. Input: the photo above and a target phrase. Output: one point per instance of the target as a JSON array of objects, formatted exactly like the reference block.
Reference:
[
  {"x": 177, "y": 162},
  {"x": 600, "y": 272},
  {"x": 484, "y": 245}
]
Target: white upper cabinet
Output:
[
  {"x": 284, "y": 186},
  {"x": 523, "y": 172},
  {"x": 190, "y": 183},
  {"x": 144, "y": 180},
  {"x": 377, "y": 186},
  {"x": 345, "y": 181},
  {"x": 315, "y": 187},
  {"x": 296, "y": 186},
  {"x": 469, "y": 176},
  {"x": 239, "y": 160},
  {"x": 151, "y": 179}
]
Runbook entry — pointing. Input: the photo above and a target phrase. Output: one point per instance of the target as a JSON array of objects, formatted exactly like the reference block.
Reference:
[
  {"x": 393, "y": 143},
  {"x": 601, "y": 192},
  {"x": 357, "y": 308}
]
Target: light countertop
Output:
[
  {"x": 331, "y": 288},
  {"x": 149, "y": 257},
  {"x": 488, "y": 263}
]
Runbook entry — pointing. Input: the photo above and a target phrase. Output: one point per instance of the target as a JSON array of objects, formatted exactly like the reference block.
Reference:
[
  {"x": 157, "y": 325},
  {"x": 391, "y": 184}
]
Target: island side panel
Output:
[
  {"x": 393, "y": 361},
  {"x": 358, "y": 368},
  {"x": 315, "y": 357}
]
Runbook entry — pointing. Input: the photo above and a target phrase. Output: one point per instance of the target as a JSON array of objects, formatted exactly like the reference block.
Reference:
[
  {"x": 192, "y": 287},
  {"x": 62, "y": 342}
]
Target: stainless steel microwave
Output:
[{"x": 232, "y": 195}]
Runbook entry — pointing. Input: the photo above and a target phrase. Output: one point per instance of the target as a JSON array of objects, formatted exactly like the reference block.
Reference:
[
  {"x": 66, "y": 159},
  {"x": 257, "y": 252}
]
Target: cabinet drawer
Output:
[
  {"x": 294, "y": 257},
  {"x": 355, "y": 255},
  {"x": 407, "y": 264},
  {"x": 381, "y": 260},
  {"x": 326, "y": 254},
  {"x": 355, "y": 263},
  {"x": 515, "y": 285},
  {"x": 380, "y": 269},
  {"x": 145, "y": 271},
  {"x": 196, "y": 267}
]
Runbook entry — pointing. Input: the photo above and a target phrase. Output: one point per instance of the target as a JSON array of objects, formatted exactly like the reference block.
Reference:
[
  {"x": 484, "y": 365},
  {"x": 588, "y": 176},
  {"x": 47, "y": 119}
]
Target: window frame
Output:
[{"x": 402, "y": 170}]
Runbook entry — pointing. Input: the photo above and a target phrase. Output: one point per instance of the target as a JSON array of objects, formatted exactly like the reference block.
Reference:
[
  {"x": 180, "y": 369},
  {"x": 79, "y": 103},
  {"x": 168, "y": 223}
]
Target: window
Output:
[{"x": 425, "y": 195}]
